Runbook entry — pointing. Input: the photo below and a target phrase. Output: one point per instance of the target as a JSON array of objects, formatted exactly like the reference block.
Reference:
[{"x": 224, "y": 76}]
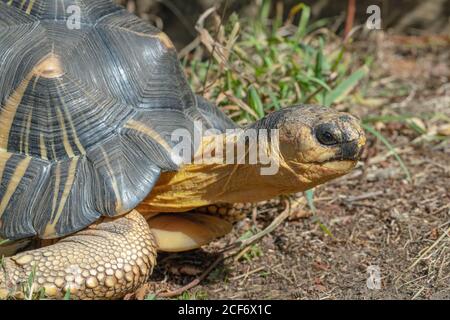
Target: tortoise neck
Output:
[
  {"x": 225, "y": 175},
  {"x": 227, "y": 168},
  {"x": 197, "y": 185}
]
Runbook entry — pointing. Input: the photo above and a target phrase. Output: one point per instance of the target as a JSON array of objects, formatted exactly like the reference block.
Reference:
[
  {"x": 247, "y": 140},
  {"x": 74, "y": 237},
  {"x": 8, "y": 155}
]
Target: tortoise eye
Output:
[{"x": 325, "y": 135}]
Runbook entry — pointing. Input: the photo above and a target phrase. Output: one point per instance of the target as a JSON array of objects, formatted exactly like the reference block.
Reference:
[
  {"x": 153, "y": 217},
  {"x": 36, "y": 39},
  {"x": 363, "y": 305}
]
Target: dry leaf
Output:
[
  {"x": 444, "y": 130},
  {"x": 417, "y": 122}
]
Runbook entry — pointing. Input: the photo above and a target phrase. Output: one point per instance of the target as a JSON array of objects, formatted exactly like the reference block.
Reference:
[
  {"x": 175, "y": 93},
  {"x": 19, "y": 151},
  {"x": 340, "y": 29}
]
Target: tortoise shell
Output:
[{"x": 86, "y": 114}]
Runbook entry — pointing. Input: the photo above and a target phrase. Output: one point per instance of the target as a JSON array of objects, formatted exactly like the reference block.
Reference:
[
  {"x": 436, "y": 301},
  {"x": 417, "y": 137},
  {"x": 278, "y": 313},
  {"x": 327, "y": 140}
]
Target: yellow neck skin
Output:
[{"x": 197, "y": 185}]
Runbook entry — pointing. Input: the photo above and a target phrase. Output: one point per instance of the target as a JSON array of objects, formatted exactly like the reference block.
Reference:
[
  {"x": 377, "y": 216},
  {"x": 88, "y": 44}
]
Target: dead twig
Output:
[
  {"x": 442, "y": 237},
  {"x": 245, "y": 275},
  {"x": 275, "y": 223},
  {"x": 190, "y": 47},
  {"x": 214, "y": 47},
  {"x": 192, "y": 284},
  {"x": 365, "y": 196}
]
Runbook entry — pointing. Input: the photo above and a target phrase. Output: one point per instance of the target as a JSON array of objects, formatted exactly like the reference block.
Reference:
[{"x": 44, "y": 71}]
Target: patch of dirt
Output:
[{"x": 379, "y": 221}]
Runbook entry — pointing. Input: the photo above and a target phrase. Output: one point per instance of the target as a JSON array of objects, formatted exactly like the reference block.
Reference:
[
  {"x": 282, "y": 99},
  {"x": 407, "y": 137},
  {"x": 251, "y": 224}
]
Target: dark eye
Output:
[{"x": 325, "y": 135}]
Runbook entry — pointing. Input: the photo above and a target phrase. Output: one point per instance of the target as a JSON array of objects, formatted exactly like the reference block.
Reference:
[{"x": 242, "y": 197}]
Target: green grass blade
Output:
[
  {"x": 42, "y": 294},
  {"x": 304, "y": 20},
  {"x": 319, "y": 82},
  {"x": 386, "y": 118},
  {"x": 150, "y": 296},
  {"x": 67, "y": 295},
  {"x": 247, "y": 235},
  {"x": 275, "y": 102},
  {"x": 278, "y": 21},
  {"x": 255, "y": 102},
  {"x": 391, "y": 148},
  {"x": 265, "y": 11},
  {"x": 344, "y": 88},
  {"x": 309, "y": 194},
  {"x": 416, "y": 128},
  {"x": 324, "y": 227},
  {"x": 320, "y": 60},
  {"x": 31, "y": 276},
  {"x": 318, "y": 24},
  {"x": 338, "y": 59}
]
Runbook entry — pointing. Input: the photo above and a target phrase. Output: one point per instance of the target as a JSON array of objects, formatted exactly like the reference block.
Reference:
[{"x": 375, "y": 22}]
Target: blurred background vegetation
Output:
[{"x": 403, "y": 16}]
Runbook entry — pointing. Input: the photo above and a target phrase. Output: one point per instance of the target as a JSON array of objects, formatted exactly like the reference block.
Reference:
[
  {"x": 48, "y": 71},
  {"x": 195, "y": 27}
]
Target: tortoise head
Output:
[{"x": 316, "y": 143}]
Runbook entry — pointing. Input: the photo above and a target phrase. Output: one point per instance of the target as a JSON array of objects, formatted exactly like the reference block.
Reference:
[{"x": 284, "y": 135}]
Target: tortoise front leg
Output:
[{"x": 105, "y": 261}]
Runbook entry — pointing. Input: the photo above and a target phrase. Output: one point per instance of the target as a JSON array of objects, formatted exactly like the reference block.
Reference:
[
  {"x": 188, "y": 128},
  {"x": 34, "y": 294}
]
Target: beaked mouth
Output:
[
  {"x": 351, "y": 150},
  {"x": 340, "y": 165}
]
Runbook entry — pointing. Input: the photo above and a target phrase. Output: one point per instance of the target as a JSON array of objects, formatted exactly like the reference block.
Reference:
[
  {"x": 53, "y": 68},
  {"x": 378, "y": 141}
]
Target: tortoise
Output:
[{"x": 87, "y": 154}]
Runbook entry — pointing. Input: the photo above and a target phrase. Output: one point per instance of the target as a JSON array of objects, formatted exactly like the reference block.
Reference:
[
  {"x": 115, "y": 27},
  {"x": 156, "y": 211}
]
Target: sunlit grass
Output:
[
  {"x": 262, "y": 65},
  {"x": 252, "y": 252},
  {"x": 197, "y": 295}
]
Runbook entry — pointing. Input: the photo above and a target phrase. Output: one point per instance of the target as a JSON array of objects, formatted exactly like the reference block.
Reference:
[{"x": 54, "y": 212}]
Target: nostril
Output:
[{"x": 326, "y": 136}]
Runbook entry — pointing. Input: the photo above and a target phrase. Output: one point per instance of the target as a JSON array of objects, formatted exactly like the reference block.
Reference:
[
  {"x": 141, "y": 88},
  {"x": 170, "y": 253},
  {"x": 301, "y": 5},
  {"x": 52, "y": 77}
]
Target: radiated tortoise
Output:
[{"x": 88, "y": 112}]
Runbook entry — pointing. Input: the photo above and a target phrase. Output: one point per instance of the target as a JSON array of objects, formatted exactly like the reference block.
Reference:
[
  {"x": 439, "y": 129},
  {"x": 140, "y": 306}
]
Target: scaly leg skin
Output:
[
  {"x": 105, "y": 261},
  {"x": 238, "y": 211},
  {"x": 230, "y": 212}
]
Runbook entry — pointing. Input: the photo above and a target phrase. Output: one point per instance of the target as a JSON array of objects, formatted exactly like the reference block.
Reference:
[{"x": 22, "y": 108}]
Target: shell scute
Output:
[{"x": 69, "y": 104}]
